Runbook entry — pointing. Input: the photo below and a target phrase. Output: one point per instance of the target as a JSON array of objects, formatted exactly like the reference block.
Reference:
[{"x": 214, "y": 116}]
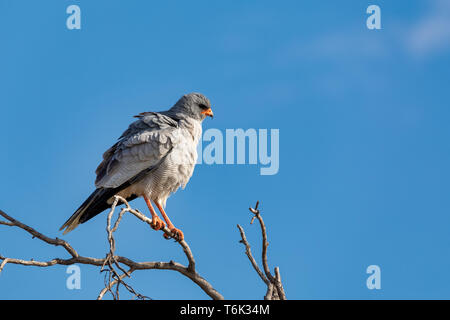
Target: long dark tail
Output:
[
  {"x": 98, "y": 201},
  {"x": 95, "y": 204}
]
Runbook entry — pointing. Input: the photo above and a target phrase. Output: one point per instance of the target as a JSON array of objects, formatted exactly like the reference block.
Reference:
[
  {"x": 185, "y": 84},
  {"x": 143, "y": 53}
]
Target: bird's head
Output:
[{"x": 193, "y": 105}]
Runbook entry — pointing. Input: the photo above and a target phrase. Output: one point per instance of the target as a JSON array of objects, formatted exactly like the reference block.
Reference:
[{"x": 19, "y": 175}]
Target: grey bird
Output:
[{"x": 154, "y": 157}]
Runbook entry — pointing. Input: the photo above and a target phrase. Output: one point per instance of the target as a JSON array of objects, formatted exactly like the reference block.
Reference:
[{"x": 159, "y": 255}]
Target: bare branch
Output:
[
  {"x": 111, "y": 260},
  {"x": 4, "y": 262},
  {"x": 271, "y": 281},
  {"x": 114, "y": 265},
  {"x": 144, "y": 218},
  {"x": 269, "y": 293},
  {"x": 248, "y": 252},
  {"x": 279, "y": 283},
  {"x": 109, "y": 286},
  {"x": 36, "y": 234}
]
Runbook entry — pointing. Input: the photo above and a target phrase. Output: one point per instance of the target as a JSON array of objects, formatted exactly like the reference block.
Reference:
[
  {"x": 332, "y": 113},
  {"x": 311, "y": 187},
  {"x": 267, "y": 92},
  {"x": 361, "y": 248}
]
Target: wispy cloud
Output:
[
  {"x": 431, "y": 34},
  {"x": 427, "y": 35}
]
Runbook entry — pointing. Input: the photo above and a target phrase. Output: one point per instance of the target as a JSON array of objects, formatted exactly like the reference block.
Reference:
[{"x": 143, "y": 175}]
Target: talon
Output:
[
  {"x": 177, "y": 234},
  {"x": 157, "y": 224}
]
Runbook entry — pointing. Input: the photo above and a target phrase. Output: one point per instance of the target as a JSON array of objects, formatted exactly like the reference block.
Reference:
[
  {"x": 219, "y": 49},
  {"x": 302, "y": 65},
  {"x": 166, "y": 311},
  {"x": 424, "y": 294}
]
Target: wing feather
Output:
[{"x": 143, "y": 145}]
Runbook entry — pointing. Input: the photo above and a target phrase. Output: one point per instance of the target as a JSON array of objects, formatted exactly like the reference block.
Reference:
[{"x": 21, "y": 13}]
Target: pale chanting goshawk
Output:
[{"x": 153, "y": 158}]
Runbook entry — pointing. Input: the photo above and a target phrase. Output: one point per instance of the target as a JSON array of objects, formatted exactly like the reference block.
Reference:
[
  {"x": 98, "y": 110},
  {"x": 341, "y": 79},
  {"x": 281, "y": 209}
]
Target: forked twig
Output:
[{"x": 271, "y": 281}]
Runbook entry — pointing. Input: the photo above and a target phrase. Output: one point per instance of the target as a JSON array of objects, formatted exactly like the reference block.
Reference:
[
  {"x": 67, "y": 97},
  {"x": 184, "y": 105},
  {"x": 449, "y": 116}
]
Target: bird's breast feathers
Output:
[{"x": 173, "y": 172}]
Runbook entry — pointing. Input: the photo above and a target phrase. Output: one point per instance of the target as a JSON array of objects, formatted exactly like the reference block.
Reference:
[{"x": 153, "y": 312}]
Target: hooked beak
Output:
[{"x": 208, "y": 112}]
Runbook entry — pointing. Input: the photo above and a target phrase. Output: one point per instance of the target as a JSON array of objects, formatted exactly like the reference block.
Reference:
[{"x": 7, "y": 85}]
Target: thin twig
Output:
[
  {"x": 248, "y": 252},
  {"x": 271, "y": 281}
]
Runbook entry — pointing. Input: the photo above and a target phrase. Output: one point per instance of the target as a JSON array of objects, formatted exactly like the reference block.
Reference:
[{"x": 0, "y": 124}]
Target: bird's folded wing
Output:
[{"x": 142, "y": 146}]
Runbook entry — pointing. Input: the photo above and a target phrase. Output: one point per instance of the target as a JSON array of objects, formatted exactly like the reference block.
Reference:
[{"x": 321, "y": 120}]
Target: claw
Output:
[
  {"x": 157, "y": 223},
  {"x": 177, "y": 234}
]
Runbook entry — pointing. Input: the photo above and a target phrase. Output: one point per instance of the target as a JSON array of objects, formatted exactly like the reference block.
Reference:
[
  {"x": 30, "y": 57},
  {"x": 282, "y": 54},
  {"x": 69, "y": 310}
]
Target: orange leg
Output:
[
  {"x": 177, "y": 232},
  {"x": 157, "y": 223}
]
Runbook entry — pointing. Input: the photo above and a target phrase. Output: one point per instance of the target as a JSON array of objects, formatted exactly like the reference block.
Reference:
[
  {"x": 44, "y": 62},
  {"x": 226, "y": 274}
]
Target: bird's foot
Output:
[
  {"x": 157, "y": 223},
  {"x": 177, "y": 234}
]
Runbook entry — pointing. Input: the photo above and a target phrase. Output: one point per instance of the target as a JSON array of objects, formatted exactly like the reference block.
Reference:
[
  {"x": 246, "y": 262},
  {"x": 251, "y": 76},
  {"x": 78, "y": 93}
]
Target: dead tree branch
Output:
[
  {"x": 275, "y": 289},
  {"x": 112, "y": 264},
  {"x": 118, "y": 268}
]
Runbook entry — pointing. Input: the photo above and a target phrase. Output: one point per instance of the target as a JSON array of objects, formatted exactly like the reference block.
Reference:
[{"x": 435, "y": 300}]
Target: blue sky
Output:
[{"x": 363, "y": 119}]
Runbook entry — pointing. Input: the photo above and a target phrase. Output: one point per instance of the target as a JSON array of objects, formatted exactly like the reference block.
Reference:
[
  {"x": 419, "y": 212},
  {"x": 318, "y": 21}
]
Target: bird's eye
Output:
[{"x": 202, "y": 106}]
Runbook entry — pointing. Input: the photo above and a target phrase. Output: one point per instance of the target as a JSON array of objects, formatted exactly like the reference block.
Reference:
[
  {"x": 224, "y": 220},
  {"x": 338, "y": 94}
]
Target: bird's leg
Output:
[
  {"x": 177, "y": 232},
  {"x": 157, "y": 223}
]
